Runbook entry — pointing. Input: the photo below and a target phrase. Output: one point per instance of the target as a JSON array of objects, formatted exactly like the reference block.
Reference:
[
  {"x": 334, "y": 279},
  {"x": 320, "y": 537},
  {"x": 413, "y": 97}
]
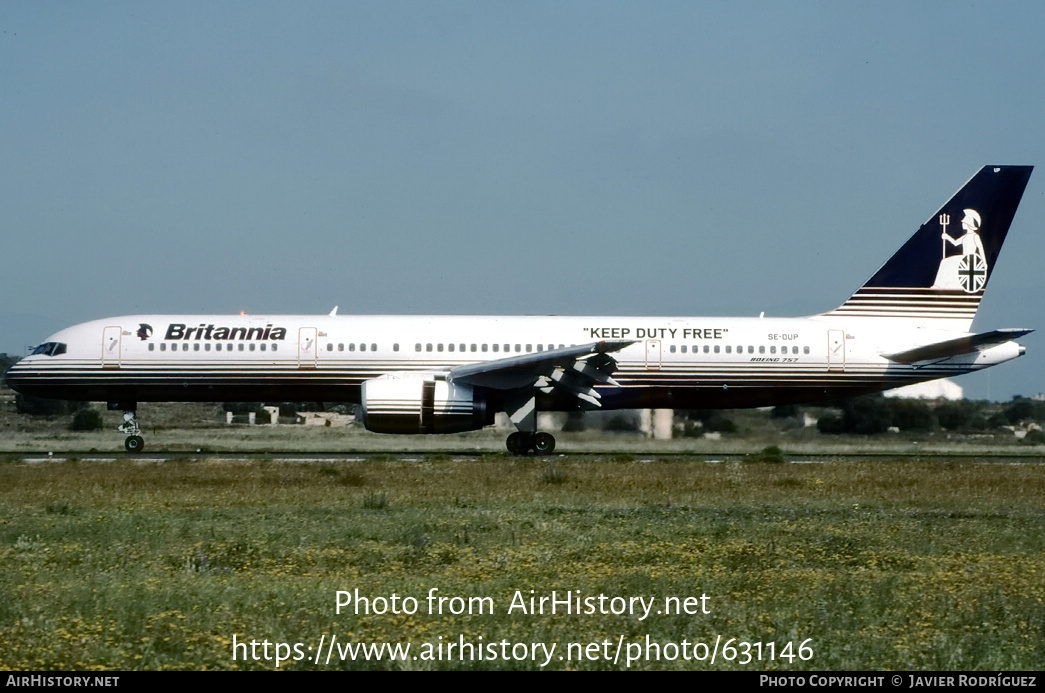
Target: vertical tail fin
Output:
[{"x": 940, "y": 273}]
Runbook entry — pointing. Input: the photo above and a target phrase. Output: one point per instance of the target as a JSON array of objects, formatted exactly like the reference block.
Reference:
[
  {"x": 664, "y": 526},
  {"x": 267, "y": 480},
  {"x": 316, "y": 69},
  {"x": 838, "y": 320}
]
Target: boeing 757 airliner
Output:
[{"x": 908, "y": 323}]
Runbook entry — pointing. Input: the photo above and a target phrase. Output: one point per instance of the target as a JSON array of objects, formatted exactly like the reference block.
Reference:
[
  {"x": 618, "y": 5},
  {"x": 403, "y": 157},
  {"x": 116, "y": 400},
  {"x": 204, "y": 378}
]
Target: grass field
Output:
[
  {"x": 186, "y": 428},
  {"x": 888, "y": 564}
]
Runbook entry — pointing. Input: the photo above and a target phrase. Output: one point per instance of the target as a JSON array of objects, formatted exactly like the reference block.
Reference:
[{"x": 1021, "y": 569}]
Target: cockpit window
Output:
[{"x": 50, "y": 349}]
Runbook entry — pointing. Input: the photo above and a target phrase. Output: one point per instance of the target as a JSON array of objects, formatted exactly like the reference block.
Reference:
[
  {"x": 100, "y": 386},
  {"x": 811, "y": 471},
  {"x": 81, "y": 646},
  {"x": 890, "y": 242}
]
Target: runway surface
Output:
[{"x": 1015, "y": 457}]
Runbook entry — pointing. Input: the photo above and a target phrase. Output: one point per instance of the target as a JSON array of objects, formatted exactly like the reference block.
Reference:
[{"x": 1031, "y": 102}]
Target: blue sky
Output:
[{"x": 696, "y": 158}]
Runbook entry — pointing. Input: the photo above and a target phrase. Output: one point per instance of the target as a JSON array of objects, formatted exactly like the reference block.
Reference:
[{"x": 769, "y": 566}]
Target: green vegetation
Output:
[
  {"x": 873, "y": 414},
  {"x": 893, "y": 564},
  {"x": 86, "y": 419},
  {"x": 770, "y": 453},
  {"x": 884, "y": 565}
]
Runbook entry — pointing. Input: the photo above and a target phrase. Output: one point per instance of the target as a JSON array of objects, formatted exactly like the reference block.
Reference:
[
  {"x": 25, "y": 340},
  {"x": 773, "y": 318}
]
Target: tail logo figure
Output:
[{"x": 966, "y": 270}]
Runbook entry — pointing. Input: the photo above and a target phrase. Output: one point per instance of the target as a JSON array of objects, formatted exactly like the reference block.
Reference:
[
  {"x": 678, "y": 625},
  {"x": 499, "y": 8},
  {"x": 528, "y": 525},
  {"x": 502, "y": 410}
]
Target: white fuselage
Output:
[{"x": 673, "y": 362}]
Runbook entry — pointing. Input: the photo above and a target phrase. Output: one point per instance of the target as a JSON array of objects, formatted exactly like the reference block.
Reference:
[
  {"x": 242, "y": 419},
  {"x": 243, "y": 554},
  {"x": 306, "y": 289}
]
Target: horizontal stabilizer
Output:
[{"x": 954, "y": 347}]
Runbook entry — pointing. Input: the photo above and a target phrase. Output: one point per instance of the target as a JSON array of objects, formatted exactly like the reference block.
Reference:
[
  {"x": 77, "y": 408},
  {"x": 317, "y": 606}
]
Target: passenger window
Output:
[
  {"x": 716, "y": 348},
  {"x": 395, "y": 347},
  {"x": 751, "y": 349},
  {"x": 484, "y": 348},
  {"x": 274, "y": 347},
  {"x": 330, "y": 347},
  {"x": 163, "y": 347},
  {"x": 241, "y": 347},
  {"x": 805, "y": 350},
  {"x": 217, "y": 347},
  {"x": 428, "y": 347},
  {"x": 672, "y": 348},
  {"x": 252, "y": 346},
  {"x": 529, "y": 348},
  {"x": 351, "y": 346},
  {"x": 341, "y": 346},
  {"x": 473, "y": 347},
  {"x": 762, "y": 349},
  {"x": 706, "y": 349},
  {"x": 540, "y": 347},
  {"x": 794, "y": 350},
  {"x": 462, "y": 347},
  {"x": 772, "y": 349},
  {"x": 262, "y": 346},
  {"x": 450, "y": 346},
  {"x": 151, "y": 347},
  {"x": 185, "y": 347},
  {"x": 373, "y": 347},
  {"x": 362, "y": 347},
  {"x": 683, "y": 348},
  {"x": 729, "y": 349},
  {"x": 206, "y": 347},
  {"x": 507, "y": 348},
  {"x": 417, "y": 347},
  {"x": 439, "y": 346},
  {"x": 496, "y": 347}
]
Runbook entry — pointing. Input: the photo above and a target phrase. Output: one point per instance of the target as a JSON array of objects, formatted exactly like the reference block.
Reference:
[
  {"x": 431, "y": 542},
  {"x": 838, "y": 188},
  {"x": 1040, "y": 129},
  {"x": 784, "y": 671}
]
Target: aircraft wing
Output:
[
  {"x": 575, "y": 369},
  {"x": 954, "y": 347}
]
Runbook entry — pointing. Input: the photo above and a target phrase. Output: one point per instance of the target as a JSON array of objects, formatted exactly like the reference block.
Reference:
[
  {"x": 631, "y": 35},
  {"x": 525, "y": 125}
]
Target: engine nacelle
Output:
[{"x": 415, "y": 403}]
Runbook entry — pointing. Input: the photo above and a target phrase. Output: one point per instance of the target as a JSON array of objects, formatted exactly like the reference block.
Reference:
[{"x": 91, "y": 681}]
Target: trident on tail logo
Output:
[{"x": 966, "y": 270}]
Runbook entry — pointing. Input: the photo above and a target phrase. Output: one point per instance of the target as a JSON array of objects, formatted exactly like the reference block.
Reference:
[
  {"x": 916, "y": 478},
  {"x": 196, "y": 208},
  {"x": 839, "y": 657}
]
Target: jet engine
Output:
[{"x": 416, "y": 403}]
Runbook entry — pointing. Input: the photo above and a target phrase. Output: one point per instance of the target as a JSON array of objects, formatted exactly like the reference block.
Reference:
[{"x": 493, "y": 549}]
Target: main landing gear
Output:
[
  {"x": 134, "y": 441},
  {"x": 522, "y": 443},
  {"x": 522, "y": 411}
]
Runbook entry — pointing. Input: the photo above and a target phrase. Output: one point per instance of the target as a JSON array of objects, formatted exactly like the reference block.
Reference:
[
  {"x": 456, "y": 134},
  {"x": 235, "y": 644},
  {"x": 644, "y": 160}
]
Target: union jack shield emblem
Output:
[{"x": 972, "y": 273}]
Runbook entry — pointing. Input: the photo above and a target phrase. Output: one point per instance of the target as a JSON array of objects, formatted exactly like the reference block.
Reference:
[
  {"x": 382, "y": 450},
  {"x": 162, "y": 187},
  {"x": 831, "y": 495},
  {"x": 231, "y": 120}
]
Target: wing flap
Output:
[
  {"x": 574, "y": 370},
  {"x": 521, "y": 371},
  {"x": 955, "y": 347}
]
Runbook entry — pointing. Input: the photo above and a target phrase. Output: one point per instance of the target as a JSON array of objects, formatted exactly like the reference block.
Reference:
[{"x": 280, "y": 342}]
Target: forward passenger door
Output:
[
  {"x": 307, "y": 350},
  {"x": 111, "y": 346}
]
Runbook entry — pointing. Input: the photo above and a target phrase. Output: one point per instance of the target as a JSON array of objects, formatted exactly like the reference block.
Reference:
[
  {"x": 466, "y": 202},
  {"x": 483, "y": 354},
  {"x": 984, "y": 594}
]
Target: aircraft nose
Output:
[
  {"x": 17, "y": 377},
  {"x": 11, "y": 380}
]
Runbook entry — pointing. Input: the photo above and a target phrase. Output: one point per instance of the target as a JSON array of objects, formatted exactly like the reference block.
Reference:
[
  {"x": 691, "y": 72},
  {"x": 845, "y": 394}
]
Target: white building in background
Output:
[
  {"x": 933, "y": 389},
  {"x": 657, "y": 423}
]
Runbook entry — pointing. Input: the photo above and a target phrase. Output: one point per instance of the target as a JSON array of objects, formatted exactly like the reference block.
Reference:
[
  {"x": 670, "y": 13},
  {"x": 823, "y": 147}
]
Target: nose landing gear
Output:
[{"x": 134, "y": 441}]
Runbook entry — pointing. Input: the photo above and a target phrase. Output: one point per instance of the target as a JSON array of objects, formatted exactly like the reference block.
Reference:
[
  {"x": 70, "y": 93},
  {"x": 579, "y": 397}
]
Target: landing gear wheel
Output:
[
  {"x": 544, "y": 443},
  {"x": 134, "y": 443},
  {"x": 519, "y": 443}
]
